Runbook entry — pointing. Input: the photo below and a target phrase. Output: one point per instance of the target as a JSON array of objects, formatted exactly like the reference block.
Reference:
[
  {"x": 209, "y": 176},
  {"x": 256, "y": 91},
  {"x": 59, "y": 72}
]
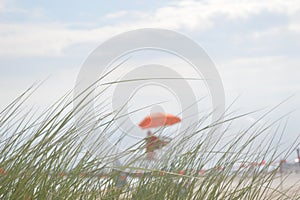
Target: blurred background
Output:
[{"x": 254, "y": 45}]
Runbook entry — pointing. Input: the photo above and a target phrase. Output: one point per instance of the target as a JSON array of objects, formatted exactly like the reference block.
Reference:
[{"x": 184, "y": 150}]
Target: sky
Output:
[{"x": 254, "y": 45}]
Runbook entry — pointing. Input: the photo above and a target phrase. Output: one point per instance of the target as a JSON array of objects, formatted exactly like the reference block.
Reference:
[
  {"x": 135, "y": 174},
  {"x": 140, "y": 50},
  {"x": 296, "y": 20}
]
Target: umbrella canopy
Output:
[{"x": 158, "y": 120}]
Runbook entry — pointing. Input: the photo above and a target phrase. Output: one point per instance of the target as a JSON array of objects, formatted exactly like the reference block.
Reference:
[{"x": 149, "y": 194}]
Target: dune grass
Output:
[{"x": 42, "y": 156}]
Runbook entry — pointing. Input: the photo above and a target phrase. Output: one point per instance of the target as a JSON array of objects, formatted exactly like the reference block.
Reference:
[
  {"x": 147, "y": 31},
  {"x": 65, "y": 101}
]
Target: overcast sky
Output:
[{"x": 254, "y": 44}]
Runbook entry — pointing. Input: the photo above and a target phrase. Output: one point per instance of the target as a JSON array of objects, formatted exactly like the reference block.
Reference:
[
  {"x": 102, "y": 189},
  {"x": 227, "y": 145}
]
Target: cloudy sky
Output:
[{"x": 254, "y": 44}]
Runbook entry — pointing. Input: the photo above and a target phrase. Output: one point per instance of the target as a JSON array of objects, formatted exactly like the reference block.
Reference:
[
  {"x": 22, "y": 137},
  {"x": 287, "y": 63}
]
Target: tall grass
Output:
[{"x": 44, "y": 157}]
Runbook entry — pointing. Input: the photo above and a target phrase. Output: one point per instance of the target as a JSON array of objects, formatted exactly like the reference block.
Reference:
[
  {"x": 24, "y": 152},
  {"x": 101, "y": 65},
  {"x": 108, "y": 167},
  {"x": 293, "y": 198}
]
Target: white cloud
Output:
[
  {"x": 6, "y": 7},
  {"x": 200, "y": 14},
  {"x": 28, "y": 39},
  {"x": 45, "y": 39},
  {"x": 276, "y": 75},
  {"x": 294, "y": 24},
  {"x": 2, "y": 5}
]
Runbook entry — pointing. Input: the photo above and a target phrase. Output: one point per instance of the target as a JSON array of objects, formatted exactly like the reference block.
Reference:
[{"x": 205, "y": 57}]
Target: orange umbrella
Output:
[{"x": 158, "y": 120}]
